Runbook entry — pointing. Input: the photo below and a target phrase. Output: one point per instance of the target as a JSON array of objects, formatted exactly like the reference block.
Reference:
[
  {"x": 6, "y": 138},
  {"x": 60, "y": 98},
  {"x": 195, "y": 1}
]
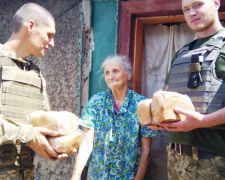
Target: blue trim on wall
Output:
[{"x": 104, "y": 21}]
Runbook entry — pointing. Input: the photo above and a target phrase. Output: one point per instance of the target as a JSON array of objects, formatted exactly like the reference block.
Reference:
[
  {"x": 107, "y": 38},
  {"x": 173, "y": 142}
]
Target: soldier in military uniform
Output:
[
  {"x": 197, "y": 144},
  {"x": 23, "y": 91}
]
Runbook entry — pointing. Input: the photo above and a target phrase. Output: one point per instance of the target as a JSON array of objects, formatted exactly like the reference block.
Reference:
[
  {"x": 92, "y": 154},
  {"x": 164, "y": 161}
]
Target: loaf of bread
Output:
[
  {"x": 62, "y": 121},
  {"x": 163, "y": 104},
  {"x": 144, "y": 112},
  {"x": 66, "y": 143}
]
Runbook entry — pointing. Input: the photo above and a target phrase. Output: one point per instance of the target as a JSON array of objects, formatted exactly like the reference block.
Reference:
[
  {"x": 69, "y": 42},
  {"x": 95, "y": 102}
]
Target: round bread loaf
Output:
[
  {"x": 62, "y": 121},
  {"x": 163, "y": 104},
  {"x": 144, "y": 112},
  {"x": 66, "y": 143}
]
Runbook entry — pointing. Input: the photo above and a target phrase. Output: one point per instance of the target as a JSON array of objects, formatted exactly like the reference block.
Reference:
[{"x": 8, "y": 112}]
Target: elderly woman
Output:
[{"x": 121, "y": 146}]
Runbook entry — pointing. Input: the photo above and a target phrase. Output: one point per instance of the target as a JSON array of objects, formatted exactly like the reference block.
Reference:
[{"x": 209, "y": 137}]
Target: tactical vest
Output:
[
  {"x": 193, "y": 74},
  {"x": 21, "y": 93}
]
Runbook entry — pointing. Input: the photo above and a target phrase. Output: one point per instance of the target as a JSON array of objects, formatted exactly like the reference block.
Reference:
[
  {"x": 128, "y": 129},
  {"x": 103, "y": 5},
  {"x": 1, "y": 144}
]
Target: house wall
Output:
[
  {"x": 104, "y": 21},
  {"x": 61, "y": 67}
]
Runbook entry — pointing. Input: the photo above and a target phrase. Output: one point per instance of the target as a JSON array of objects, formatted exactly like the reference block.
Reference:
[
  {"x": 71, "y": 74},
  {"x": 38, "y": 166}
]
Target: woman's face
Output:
[{"x": 115, "y": 75}]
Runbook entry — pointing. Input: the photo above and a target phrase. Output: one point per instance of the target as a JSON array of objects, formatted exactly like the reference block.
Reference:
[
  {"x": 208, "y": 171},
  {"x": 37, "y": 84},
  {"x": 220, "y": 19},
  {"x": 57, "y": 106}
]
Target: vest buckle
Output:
[{"x": 195, "y": 71}]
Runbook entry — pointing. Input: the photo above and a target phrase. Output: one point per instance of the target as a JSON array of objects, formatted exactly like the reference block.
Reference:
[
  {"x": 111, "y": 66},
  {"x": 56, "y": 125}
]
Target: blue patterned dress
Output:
[{"x": 117, "y": 140}]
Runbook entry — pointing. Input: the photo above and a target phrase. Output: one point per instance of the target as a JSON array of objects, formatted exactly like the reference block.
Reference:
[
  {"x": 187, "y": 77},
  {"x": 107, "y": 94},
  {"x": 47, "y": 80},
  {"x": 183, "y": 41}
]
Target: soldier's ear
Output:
[
  {"x": 30, "y": 26},
  {"x": 217, "y": 4}
]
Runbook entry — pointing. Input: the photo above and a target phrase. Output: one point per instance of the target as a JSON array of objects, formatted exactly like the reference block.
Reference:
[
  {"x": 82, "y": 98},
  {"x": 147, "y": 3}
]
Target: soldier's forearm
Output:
[{"x": 214, "y": 119}]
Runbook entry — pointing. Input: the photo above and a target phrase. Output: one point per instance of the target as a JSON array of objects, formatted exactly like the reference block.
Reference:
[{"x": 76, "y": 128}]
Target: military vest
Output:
[
  {"x": 21, "y": 93},
  {"x": 193, "y": 73}
]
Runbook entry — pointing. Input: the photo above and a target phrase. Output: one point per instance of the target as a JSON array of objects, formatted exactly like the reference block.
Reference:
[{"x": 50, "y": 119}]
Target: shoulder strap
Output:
[
  {"x": 6, "y": 61},
  {"x": 220, "y": 34},
  {"x": 187, "y": 46}
]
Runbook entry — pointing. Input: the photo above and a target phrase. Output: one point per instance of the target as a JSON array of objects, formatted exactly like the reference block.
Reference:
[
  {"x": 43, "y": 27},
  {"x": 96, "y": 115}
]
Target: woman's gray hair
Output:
[
  {"x": 31, "y": 11},
  {"x": 123, "y": 60}
]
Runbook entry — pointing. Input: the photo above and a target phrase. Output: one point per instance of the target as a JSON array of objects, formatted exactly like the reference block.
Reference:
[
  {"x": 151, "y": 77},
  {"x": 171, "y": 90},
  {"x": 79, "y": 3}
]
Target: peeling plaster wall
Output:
[
  {"x": 88, "y": 47},
  {"x": 61, "y": 68}
]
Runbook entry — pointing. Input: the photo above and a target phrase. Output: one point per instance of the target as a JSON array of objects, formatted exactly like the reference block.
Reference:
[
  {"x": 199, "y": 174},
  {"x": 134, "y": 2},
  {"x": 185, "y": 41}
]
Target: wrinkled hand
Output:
[
  {"x": 40, "y": 144},
  {"x": 192, "y": 121}
]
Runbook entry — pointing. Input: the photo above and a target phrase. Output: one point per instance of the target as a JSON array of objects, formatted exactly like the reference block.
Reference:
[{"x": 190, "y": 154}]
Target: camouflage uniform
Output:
[
  {"x": 197, "y": 70},
  {"x": 184, "y": 167},
  {"x": 16, "y": 159}
]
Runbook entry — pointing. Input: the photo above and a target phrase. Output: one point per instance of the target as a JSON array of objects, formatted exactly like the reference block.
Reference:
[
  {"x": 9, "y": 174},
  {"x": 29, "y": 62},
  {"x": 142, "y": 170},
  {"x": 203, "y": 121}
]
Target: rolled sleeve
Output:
[
  {"x": 25, "y": 133},
  {"x": 11, "y": 133}
]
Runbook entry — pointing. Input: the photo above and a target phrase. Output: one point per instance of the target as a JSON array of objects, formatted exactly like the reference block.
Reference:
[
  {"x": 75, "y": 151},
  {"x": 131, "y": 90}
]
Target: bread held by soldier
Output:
[
  {"x": 66, "y": 123},
  {"x": 163, "y": 104},
  {"x": 162, "y": 107},
  {"x": 66, "y": 143},
  {"x": 62, "y": 121}
]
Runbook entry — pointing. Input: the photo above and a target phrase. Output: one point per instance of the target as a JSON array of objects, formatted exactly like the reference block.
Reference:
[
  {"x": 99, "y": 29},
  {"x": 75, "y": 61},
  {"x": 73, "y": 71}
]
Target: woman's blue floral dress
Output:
[{"x": 117, "y": 140}]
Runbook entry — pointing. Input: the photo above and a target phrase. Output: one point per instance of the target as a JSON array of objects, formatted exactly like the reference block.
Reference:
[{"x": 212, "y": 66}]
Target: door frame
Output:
[{"x": 134, "y": 15}]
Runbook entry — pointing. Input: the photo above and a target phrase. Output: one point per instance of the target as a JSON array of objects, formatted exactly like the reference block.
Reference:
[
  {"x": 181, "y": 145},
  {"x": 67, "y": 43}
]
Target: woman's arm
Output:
[
  {"x": 84, "y": 152},
  {"x": 144, "y": 159}
]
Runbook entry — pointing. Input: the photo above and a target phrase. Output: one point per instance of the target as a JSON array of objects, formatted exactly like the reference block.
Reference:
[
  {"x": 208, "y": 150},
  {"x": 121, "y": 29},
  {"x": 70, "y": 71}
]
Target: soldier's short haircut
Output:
[{"x": 31, "y": 11}]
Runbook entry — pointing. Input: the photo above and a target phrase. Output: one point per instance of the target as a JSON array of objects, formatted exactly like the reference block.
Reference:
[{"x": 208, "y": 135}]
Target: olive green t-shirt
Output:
[
  {"x": 220, "y": 63},
  {"x": 208, "y": 139}
]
